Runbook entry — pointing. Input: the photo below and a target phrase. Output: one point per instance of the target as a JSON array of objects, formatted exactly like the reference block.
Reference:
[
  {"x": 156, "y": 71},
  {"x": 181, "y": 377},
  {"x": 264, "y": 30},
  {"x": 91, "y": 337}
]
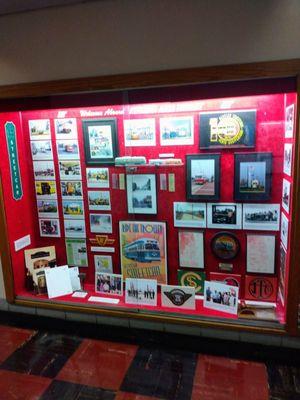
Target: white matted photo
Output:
[
  {"x": 69, "y": 170},
  {"x": 289, "y": 121},
  {"x": 221, "y": 297},
  {"x": 176, "y": 131},
  {"x": 45, "y": 190},
  {"x": 139, "y": 132},
  {"x": 44, "y": 170},
  {"x": 97, "y": 178},
  {"x": 141, "y": 194},
  {"x": 67, "y": 149},
  {"x": 101, "y": 223},
  {"x": 284, "y": 232},
  {"x": 109, "y": 284},
  {"x": 286, "y": 195},
  {"x": 47, "y": 208},
  {"x": 287, "y": 159},
  {"x": 103, "y": 263},
  {"x": 224, "y": 215},
  {"x": 73, "y": 209},
  {"x": 41, "y": 150},
  {"x": 178, "y": 297},
  {"x": 39, "y": 129},
  {"x": 141, "y": 291},
  {"x": 261, "y": 254},
  {"x": 49, "y": 227},
  {"x": 191, "y": 249},
  {"x": 263, "y": 217},
  {"x": 71, "y": 189},
  {"x": 74, "y": 228},
  {"x": 189, "y": 215},
  {"x": 99, "y": 200},
  {"x": 65, "y": 128}
]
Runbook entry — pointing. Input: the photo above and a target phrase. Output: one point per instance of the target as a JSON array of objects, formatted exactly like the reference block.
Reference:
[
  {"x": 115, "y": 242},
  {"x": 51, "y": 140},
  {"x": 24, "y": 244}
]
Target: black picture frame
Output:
[
  {"x": 252, "y": 185},
  {"x": 91, "y": 157},
  {"x": 204, "y": 180},
  {"x": 225, "y": 245},
  {"x": 138, "y": 205}
]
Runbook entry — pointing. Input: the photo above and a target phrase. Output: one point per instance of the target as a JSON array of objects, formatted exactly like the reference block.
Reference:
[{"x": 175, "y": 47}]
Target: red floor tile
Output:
[
  {"x": 218, "y": 378},
  {"x": 99, "y": 363},
  {"x": 12, "y": 338},
  {"x": 15, "y": 386},
  {"x": 133, "y": 396}
]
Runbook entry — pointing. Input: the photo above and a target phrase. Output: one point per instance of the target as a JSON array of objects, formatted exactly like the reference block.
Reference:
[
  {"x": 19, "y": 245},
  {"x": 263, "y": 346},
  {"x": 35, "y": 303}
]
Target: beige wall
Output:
[{"x": 118, "y": 36}]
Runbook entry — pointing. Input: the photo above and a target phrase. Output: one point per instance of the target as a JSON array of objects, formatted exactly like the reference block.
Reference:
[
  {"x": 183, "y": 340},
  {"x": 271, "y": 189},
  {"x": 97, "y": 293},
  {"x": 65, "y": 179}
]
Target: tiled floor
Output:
[{"x": 48, "y": 365}]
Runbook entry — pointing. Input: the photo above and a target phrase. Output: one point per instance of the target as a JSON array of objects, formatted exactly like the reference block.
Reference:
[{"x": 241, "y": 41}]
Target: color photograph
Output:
[
  {"x": 109, "y": 284},
  {"x": 73, "y": 209},
  {"x": 189, "y": 215},
  {"x": 218, "y": 296},
  {"x": 264, "y": 217},
  {"x": 176, "y": 131},
  {"x": 139, "y": 132},
  {"x": 39, "y": 129},
  {"x": 99, "y": 200},
  {"x": 47, "y": 208},
  {"x": 103, "y": 263},
  {"x": 141, "y": 292},
  {"x": 41, "y": 150},
  {"x": 69, "y": 170},
  {"x": 253, "y": 177},
  {"x": 97, "y": 177},
  {"x": 43, "y": 170},
  {"x": 141, "y": 194},
  {"x": 74, "y": 228},
  {"x": 65, "y": 128},
  {"x": 67, "y": 149},
  {"x": 71, "y": 189},
  {"x": 101, "y": 223},
  {"x": 224, "y": 215},
  {"x": 49, "y": 227},
  {"x": 45, "y": 189}
]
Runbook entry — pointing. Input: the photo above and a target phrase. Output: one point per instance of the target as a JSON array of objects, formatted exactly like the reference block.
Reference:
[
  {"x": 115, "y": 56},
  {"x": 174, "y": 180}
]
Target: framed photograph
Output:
[
  {"x": 252, "y": 176},
  {"x": 109, "y": 284},
  {"x": 74, "y": 228},
  {"x": 178, "y": 297},
  {"x": 260, "y": 288},
  {"x": 282, "y": 275},
  {"x": 44, "y": 170},
  {"x": 221, "y": 297},
  {"x": 262, "y": 217},
  {"x": 225, "y": 245},
  {"x": 191, "y": 249},
  {"x": 193, "y": 279},
  {"x": 69, "y": 170},
  {"x": 101, "y": 223},
  {"x": 224, "y": 216},
  {"x": 39, "y": 129},
  {"x": 287, "y": 159},
  {"x": 189, "y": 215},
  {"x": 139, "y": 132},
  {"x": 142, "y": 292},
  {"x": 65, "y": 128},
  {"x": 289, "y": 121},
  {"x": 176, "y": 131},
  {"x": 141, "y": 194},
  {"x": 261, "y": 254},
  {"x": 143, "y": 250},
  {"x": 47, "y": 208},
  {"x": 67, "y": 149},
  {"x": 203, "y": 177},
  {"x": 41, "y": 150},
  {"x": 103, "y": 264},
  {"x": 100, "y": 141},
  {"x": 73, "y": 209},
  {"x": 284, "y": 232},
  {"x": 49, "y": 227},
  {"x": 40, "y": 257},
  {"x": 45, "y": 190},
  {"x": 77, "y": 252},
  {"x": 97, "y": 178},
  {"x": 227, "y": 129},
  {"x": 71, "y": 189},
  {"x": 286, "y": 193},
  {"x": 99, "y": 200}
]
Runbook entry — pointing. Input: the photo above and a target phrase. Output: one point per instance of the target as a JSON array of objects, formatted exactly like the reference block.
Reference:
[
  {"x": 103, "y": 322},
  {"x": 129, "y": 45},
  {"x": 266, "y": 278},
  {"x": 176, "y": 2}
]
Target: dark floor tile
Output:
[
  {"x": 44, "y": 355},
  {"x": 284, "y": 381},
  {"x": 166, "y": 374},
  {"x": 60, "y": 390}
]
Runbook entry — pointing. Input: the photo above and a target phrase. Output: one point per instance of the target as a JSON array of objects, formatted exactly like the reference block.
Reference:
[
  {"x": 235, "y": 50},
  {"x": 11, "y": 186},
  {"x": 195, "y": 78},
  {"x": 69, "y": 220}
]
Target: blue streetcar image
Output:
[{"x": 142, "y": 250}]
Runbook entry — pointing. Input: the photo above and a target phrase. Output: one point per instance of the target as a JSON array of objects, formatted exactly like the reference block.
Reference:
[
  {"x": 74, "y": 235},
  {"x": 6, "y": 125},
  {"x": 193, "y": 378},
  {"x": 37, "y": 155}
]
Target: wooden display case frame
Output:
[{"x": 12, "y": 97}]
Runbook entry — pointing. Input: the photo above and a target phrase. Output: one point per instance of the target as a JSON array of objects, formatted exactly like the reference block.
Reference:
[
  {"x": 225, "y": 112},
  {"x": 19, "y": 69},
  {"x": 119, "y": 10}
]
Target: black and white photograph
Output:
[
  {"x": 224, "y": 215},
  {"x": 189, "y": 215},
  {"x": 43, "y": 170},
  {"x": 65, "y": 128},
  {"x": 49, "y": 227},
  {"x": 141, "y": 194},
  {"x": 286, "y": 193},
  {"x": 69, "y": 170},
  {"x": 39, "y": 129},
  {"x": 284, "y": 231},
  {"x": 141, "y": 291},
  {"x": 289, "y": 121},
  {"x": 287, "y": 159},
  {"x": 71, "y": 189},
  {"x": 101, "y": 223},
  {"x": 109, "y": 284},
  {"x": 221, "y": 297},
  {"x": 67, "y": 149},
  {"x": 41, "y": 150},
  {"x": 99, "y": 200},
  {"x": 264, "y": 217}
]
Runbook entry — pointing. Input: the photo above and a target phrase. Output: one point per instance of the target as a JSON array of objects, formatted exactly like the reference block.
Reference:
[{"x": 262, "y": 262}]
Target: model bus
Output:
[{"x": 143, "y": 250}]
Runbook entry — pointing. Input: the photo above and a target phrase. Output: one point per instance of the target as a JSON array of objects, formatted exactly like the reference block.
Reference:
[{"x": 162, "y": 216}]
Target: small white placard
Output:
[
  {"x": 22, "y": 242},
  {"x": 80, "y": 295},
  {"x": 103, "y": 300},
  {"x": 166, "y": 155},
  {"x": 103, "y": 249},
  {"x": 58, "y": 281},
  {"x": 74, "y": 276}
]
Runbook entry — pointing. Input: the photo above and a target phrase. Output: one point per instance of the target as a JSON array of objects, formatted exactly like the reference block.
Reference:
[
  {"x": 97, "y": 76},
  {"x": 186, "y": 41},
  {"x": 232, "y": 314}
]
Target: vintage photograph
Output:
[
  {"x": 77, "y": 252},
  {"x": 45, "y": 189},
  {"x": 203, "y": 176},
  {"x": 286, "y": 193},
  {"x": 97, "y": 177},
  {"x": 40, "y": 257},
  {"x": 39, "y": 129},
  {"x": 261, "y": 254},
  {"x": 103, "y": 264},
  {"x": 176, "y": 131},
  {"x": 73, "y": 209},
  {"x": 224, "y": 215},
  {"x": 67, "y": 149},
  {"x": 69, "y": 170},
  {"x": 49, "y": 227},
  {"x": 99, "y": 200},
  {"x": 139, "y": 132},
  {"x": 65, "y": 128},
  {"x": 109, "y": 284},
  {"x": 41, "y": 150},
  {"x": 289, "y": 121},
  {"x": 189, "y": 215},
  {"x": 47, "y": 208},
  {"x": 71, "y": 189},
  {"x": 265, "y": 217},
  {"x": 178, "y": 297},
  {"x": 101, "y": 223},
  {"x": 221, "y": 297},
  {"x": 191, "y": 249},
  {"x": 287, "y": 159},
  {"x": 74, "y": 228},
  {"x": 43, "y": 170},
  {"x": 141, "y": 194},
  {"x": 284, "y": 232},
  {"x": 141, "y": 292}
]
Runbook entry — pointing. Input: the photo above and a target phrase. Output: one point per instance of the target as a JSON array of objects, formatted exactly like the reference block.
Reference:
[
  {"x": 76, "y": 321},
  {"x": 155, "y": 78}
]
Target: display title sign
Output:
[{"x": 12, "y": 147}]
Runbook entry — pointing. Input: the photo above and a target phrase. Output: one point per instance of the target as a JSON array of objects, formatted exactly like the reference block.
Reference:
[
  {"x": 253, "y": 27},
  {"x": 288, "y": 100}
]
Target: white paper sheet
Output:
[
  {"x": 74, "y": 276},
  {"x": 58, "y": 281},
  {"x": 103, "y": 300}
]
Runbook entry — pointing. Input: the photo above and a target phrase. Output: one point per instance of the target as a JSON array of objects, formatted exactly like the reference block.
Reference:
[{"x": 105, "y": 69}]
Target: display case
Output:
[{"x": 173, "y": 203}]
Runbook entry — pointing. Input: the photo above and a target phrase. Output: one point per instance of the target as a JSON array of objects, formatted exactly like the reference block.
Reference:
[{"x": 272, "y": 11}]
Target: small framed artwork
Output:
[
  {"x": 71, "y": 189},
  {"x": 99, "y": 200},
  {"x": 47, "y": 208},
  {"x": 101, "y": 223},
  {"x": 103, "y": 263},
  {"x": 73, "y": 209},
  {"x": 191, "y": 249},
  {"x": 224, "y": 216},
  {"x": 262, "y": 217},
  {"x": 109, "y": 284},
  {"x": 252, "y": 176},
  {"x": 189, "y": 215},
  {"x": 227, "y": 129},
  {"x": 225, "y": 245},
  {"x": 65, "y": 128},
  {"x": 44, "y": 170},
  {"x": 284, "y": 232},
  {"x": 45, "y": 190},
  {"x": 100, "y": 141},
  {"x": 261, "y": 254},
  {"x": 287, "y": 159},
  {"x": 141, "y": 291},
  {"x": 139, "y": 132},
  {"x": 41, "y": 150},
  {"x": 141, "y": 194},
  {"x": 286, "y": 193},
  {"x": 49, "y": 227},
  {"x": 203, "y": 177},
  {"x": 74, "y": 228},
  {"x": 97, "y": 178},
  {"x": 67, "y": 149},
  {"x": 39, "y": 129},
  {"x": 176, "y": 131},
  {"x": 69, "y": 170},
  {"x": 289, "y": 121}
]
